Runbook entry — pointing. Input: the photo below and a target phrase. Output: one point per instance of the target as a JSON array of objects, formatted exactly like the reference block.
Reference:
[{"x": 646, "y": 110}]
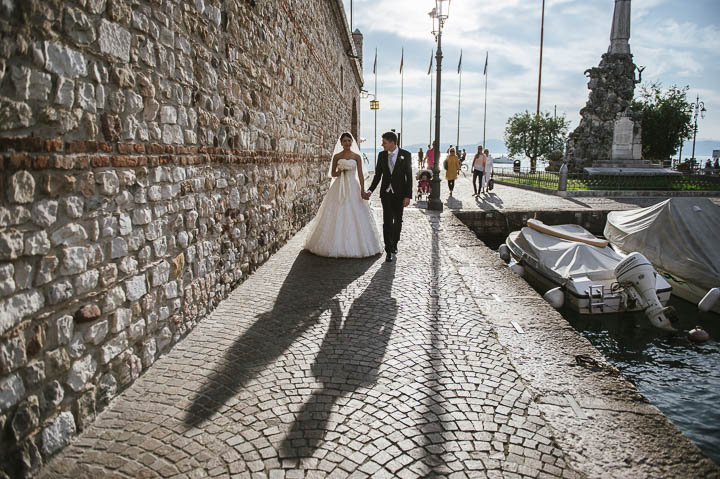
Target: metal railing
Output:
[{"x": 585, "y": 182}]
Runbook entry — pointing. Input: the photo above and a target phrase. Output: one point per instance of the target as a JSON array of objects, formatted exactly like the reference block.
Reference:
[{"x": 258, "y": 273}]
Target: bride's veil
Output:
[{"x": 338, "y": 148}]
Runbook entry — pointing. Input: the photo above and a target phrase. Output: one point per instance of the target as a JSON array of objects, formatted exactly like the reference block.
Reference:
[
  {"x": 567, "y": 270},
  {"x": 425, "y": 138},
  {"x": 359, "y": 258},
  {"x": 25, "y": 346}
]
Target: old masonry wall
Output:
[{"x": 152, "y": 154}]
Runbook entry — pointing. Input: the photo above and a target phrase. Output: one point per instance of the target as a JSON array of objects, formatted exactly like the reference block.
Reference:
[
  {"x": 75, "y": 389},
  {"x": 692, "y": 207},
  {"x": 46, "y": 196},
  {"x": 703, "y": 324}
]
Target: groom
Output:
[{"x": 394, "y": 166}]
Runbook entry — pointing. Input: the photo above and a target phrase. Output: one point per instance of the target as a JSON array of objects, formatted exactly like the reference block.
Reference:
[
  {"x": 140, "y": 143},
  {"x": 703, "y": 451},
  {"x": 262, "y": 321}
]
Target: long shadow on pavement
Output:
[
  {"x": 350, "y": 358},
  {"x": 308, "y": 290}
]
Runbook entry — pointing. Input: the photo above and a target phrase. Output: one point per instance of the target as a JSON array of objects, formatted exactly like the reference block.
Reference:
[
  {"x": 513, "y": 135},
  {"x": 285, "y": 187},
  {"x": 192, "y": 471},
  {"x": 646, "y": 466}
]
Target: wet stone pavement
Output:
[{"x": 319, "y": 367}]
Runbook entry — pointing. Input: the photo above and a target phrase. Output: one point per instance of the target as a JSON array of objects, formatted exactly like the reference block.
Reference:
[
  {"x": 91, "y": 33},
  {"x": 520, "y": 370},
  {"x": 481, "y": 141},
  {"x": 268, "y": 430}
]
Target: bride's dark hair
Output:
[{"x": 346, "y": 135}]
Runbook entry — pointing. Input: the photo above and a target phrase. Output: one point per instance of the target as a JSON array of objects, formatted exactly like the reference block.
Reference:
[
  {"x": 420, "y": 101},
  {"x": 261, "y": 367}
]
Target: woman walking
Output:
[
  {"x": 421, "y": 160},
  {"x": 453, "y": 166},
  {"x": 487, "y": 175},
  {"x": 477, "y": 168}
]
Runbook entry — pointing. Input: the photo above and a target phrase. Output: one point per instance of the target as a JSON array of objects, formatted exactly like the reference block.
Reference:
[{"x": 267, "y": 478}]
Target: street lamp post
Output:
[
  {"x": 698, "y": 107},
  {"x": 439, "y": 15}
]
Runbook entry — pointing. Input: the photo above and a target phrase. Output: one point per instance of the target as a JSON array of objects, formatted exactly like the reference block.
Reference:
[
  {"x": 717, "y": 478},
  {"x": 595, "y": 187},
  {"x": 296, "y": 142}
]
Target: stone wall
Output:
[{"x": 152, "y": 155}]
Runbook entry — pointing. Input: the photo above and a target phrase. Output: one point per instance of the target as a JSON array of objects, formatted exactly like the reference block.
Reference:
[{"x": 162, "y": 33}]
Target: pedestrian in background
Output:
[
  {"x": 430, "y": 157},
  {"x": 477, "y": 169},
  {"x": 451, "y": 172},
  {"x": 488, "y": 170},
  {"x": 421, "y": 160}
]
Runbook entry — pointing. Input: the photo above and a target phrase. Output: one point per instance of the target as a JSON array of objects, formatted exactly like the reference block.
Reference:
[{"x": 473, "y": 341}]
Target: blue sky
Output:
[{"x": 677, "y": 41}]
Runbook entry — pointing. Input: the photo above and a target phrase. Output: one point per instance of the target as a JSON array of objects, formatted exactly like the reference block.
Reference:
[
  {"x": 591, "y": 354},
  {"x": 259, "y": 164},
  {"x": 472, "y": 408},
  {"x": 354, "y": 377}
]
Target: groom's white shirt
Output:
[{"x": 392, "y": 157}]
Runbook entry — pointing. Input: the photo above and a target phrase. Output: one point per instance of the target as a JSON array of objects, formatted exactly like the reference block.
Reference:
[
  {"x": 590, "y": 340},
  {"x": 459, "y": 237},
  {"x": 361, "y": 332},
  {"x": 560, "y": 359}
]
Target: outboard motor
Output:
[{"x": 637, "y": 276}]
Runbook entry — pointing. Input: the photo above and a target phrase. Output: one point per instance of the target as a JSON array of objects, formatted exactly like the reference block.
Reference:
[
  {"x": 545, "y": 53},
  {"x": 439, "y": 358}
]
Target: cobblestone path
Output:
[{"x": 319, "y": 367}]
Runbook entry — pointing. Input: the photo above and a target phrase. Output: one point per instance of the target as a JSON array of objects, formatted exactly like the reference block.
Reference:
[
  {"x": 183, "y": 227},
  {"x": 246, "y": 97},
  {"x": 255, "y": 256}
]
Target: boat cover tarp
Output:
[
  {"x": 678, "y": 235},
  {"x": 567, "y": 258}
]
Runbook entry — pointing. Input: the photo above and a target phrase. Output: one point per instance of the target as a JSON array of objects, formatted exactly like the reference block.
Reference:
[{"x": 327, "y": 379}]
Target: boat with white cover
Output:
[
  {"x": 680, "y": 238},
  {"x": 582, "y": 272}
]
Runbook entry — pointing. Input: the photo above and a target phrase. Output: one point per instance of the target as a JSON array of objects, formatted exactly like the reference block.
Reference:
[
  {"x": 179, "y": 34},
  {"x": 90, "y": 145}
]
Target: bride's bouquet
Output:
[{"x": 344, "y": 165}]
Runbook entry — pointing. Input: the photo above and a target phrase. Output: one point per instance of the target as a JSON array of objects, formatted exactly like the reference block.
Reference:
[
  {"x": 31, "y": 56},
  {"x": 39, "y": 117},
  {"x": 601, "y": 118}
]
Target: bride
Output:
[{"x": 344, "y": 226}]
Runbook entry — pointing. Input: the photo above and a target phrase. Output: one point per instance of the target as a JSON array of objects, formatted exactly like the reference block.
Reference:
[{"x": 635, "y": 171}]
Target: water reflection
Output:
[{"x": 678, "y": 376}]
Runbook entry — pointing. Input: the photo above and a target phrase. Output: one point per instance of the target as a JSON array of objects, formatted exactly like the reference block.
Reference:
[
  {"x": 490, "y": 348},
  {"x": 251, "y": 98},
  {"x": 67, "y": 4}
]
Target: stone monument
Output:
[{"x": 608, "y": 139}]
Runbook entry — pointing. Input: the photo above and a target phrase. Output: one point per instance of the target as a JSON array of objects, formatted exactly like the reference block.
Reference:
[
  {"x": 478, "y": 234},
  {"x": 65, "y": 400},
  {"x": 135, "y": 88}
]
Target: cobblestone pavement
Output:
[{"x": 319, "y": 367}]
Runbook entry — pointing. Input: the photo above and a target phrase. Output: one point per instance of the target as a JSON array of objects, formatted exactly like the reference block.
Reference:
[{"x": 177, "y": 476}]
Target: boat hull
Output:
[{"x": 577, "y": 297}]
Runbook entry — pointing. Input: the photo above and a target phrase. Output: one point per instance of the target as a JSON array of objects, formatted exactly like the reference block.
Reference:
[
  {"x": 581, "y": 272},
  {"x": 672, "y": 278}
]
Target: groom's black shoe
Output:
[{"x": 389, "y": 258}]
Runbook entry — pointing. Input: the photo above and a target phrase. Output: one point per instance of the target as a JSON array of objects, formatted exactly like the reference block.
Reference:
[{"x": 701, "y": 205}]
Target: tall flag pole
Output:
[
  {"x": 431, "y": 95},
  {"x": 485, "y": 109},
  {"x": 375, "y": 73},
  {"x": 457, "y": 140},
  {"x": 402, "y": 86}
]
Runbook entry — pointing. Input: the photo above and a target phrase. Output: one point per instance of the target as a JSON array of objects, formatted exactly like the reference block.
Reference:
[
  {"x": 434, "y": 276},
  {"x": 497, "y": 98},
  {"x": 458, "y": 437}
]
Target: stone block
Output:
[
  {"x": 7, "y": 282},
  {"x": 76, "y": 348},
  {"x": 57, "y": 362},
  {"x": 40, "y": 85},
  {"x": 36, "y": 243},
  {"x": 108, "y": 274},
  {"x": 73, "y": 260},
  {"x": 124, "y": 224},
  {"x": 107, "y": 388},
  {"x": 135, "y": 287},
  {"x": 114, "y": 40},
  {"x": 154, "y": 230},
  {"x": 133, "y": 102},
  {"x": 65, "y": 92},
  {"x": 137, "y": 329},
  {"x": 12, "y": 390},
  {"x": 149, "y": 352},
  {"x": 81, "y": 372},
  {"x": 21, "y": 188},
  {"x": 142, "y": 216},
  {"x": 84, "y": 409},
  {"x": 160, "y": 247},
  {"x": 69, "y": 235},
  {"x": 45, "y": 273},
  {"x": 118, "y": 248},
  {"x": 11, "y": 245},
  {"x": 109, "y": 182},
  {"x": 44, "y": 213},
  {"x": 164, "y": 338},
  {"x": 12, "y": 354},
  {"x": 129, "y": 369},
  {"x": 113, "y": 348},
  {"x": 109, "y": 226},
  {"x": 160, "y": 274},
  {"x": 34, "y": 373},
  {"x": 23, "y": 275},
  {"x": 17, "y": 307},
  {"x": 121, "y": 320},
  {"x": 26, "y": 418},
  {"x": 53, "y": 395},
  {"x": 60, "y": 331},
  {"x": 128, "y": 265},
  {"x": 97, "y": 332},
  {"x": 58, "y": 434},
  {"x": 78, "y": 26},
  {"x": 86, "y": 282},
  {"x": 20, "y": 79},
  {"x": 59, "y": 292},
  {"x": 86, "y": 97},
  {"x": 64, "y": 61},
  {"x": 173, "y": 134}
]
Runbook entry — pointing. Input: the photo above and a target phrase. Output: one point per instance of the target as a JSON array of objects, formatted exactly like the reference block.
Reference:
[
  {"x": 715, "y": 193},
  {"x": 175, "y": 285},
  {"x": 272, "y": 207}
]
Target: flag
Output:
[
  {"x": 460, "y": 62},
  {"x": 375, "y": 63},
  {"x": 485, "y": 69},
  {"x": 431, "y": 62},
  {"x": 402, "y": 58}
]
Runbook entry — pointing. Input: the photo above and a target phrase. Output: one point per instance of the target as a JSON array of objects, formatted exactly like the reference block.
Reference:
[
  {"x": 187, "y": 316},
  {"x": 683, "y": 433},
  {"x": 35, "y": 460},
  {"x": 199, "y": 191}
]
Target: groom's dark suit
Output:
[{"x": 400, "y": 179}]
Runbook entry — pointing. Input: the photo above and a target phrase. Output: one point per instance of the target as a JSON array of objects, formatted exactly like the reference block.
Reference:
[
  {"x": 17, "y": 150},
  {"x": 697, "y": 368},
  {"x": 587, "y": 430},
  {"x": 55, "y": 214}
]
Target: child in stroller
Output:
[{"x": 423, "y": 192}]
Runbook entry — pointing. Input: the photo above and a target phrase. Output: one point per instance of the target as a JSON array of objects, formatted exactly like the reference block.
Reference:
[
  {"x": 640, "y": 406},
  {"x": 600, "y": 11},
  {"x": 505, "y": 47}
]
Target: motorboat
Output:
[
  {"x": 680, "y": 238},
  {"x": 584, "y": 273}
]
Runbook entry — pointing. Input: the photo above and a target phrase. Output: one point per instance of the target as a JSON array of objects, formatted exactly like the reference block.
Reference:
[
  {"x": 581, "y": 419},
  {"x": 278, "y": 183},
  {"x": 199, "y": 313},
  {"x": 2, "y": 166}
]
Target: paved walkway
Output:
[{"x": 318, "y": 367}]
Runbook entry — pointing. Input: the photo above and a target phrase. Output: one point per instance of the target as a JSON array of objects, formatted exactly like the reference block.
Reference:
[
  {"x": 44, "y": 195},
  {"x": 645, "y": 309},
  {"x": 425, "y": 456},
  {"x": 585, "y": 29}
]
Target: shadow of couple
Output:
[{"x": 349, "y": 357}]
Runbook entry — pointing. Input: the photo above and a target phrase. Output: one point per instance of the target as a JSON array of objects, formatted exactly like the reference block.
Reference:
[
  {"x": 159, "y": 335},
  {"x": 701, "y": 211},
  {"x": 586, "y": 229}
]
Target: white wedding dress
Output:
[{"x": 344, "y": 226}]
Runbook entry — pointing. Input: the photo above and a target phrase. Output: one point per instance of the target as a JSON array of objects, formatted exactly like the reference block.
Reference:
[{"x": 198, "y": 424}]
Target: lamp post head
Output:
[{"x": 442, "y": 9}]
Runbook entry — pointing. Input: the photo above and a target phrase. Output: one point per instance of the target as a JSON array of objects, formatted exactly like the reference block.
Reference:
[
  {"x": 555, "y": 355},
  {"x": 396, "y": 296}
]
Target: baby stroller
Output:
[{"x": 423, "y": 177}]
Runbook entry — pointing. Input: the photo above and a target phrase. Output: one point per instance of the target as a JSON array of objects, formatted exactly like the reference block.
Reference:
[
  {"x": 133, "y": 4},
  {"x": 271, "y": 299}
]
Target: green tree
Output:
[
  {"x": 535, "y": 136},
  {"x": 666, "y": 118}
]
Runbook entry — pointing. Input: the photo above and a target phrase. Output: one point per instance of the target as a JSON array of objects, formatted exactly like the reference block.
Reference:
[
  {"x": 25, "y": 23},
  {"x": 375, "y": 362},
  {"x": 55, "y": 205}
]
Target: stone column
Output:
[{"x": 620, "y": 33}]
